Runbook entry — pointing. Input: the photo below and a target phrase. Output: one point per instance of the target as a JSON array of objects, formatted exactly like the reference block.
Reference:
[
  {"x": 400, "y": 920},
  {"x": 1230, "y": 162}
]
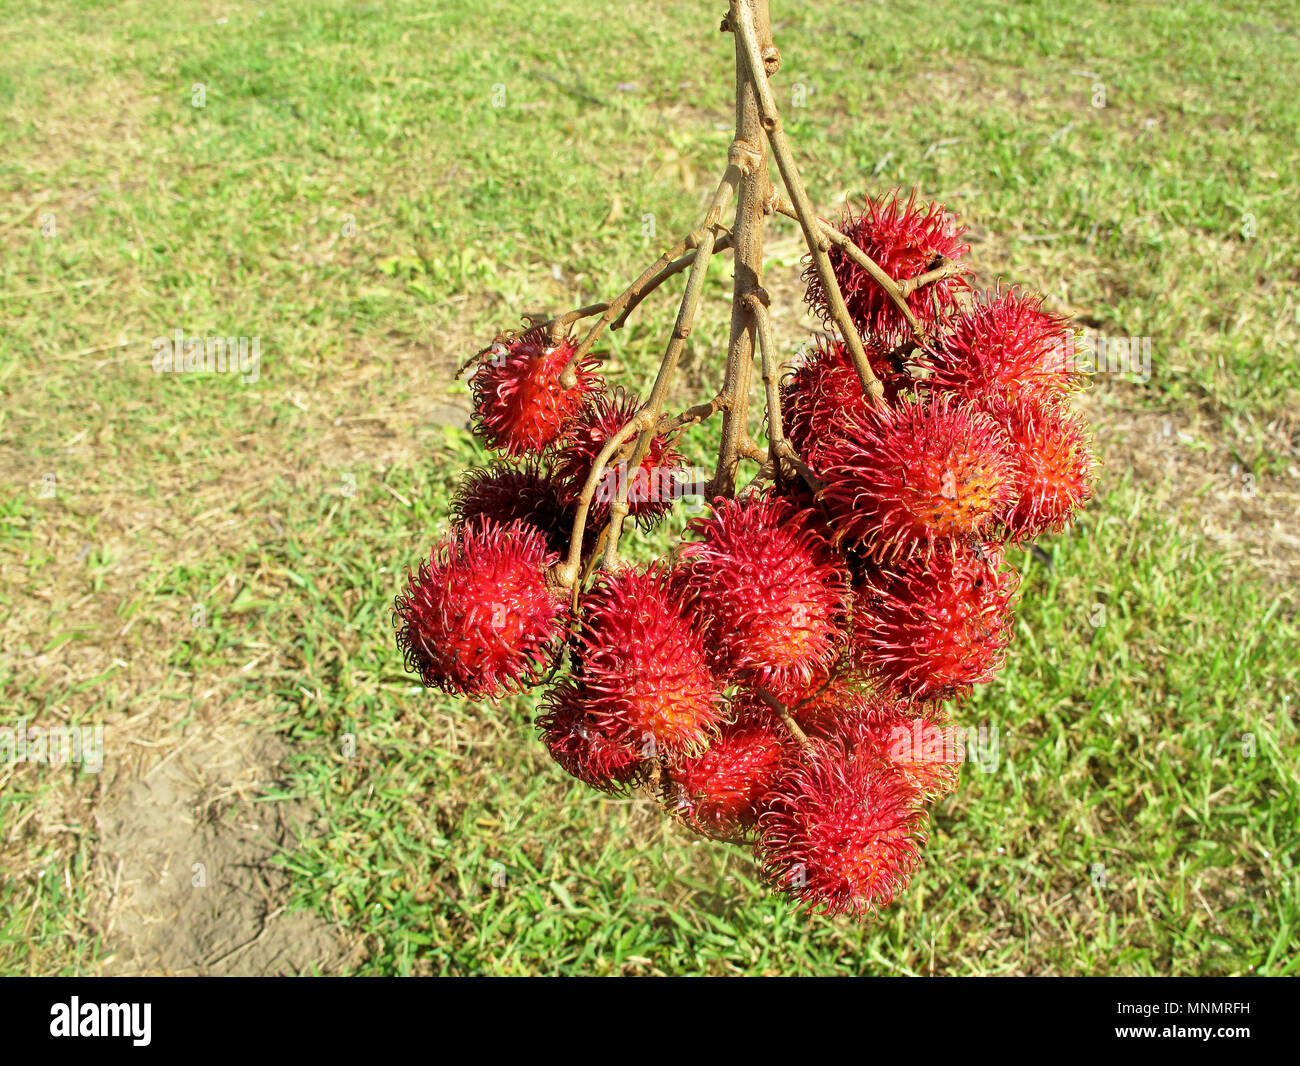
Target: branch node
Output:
[{"x": 744, "y": 156}]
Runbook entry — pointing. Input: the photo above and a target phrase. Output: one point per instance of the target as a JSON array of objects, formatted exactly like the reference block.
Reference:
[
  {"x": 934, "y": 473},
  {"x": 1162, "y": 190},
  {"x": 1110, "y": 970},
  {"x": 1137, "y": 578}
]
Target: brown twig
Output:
[
  {"x": 947, "y": 268},
  {"x": 749, "y": 153},
  {"x": 566, "y": 573},
  {"x": 754, "y": 56},
  {"x": 557, "y": 327},
  {"x": 652, "y": 276},
  {"x": 700, "y": 412},
  {"x": 758, "y": 302},
  {"x": 676, "y": 345},
  {"x": 800, "y": 737},
  {"x": 679, "y": 264}
]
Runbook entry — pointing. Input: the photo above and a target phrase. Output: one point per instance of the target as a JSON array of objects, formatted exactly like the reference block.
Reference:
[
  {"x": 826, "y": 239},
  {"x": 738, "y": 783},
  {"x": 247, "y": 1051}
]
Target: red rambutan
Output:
[
  {"x": 1054, "y": 466},
  {"x": 576, "y": 742},
  {"x": 508, "y": 493},
  {"x": 929, "y": 629},
  {"x": 1003, "y": 347},
  {"x": 841, "y": 832},
  {"x": 905, "y": 240},
  {"x": 822, "y": 390},
  {"x": 900, "y": 479},
  {"x": 642, "y": 666},
  {"x": 651, "y": 489},
  {"x": 833, "y": 708},
  {"x": 478, "y": 617},
  {"x": 720, "y": 791},
  {"x": 770, "y": 594},
  {"x": 923, "y": 750},
  {"x": 520, "y": 406}
]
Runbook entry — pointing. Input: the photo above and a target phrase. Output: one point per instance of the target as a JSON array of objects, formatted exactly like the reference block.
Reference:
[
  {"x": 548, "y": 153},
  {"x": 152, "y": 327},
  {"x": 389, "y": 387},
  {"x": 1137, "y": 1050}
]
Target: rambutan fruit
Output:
[
  {"x": 478, "y": 617},
  {"x": 1003, "y": 347},
  {"x": 841, "y": 832},
  {"x": 1055, "y": 467},
  {"x": 577, "y": 743},
  {"x": 520, "y": 404},
  {"x": 828, "y": 711},
  {"x": 770, "y": 594},
  {"x": 929, "y": 629},
  {"x": 720, "y": 791},
  {"x": 821, "y": 707},
  {"x": 822, "y": 390},
  {"x": 898, "y": 480},
  {"x": 642, "y": 666},
  {"x": 651, "y": 489},
  {"x": 508, "y": 493},
  {"x": 905, "y": 240},
  {"x": 923, "y": 750}
]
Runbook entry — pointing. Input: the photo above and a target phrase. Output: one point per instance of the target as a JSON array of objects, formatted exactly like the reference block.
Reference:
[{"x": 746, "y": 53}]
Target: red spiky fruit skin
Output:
[
  {"x": 841, "y": 832},
  {"x": 906, "y": 240},
  {"x": 577, "y": 743},
  {"x": 824, "y": 707},
  {"x": 1004, "y": 347},
  {"x": 650, "y": 489},
  {"x": 822, "y": 391},
  {"x": 720, "y": 792},
  {"x": 507, "y": 493},
  {"x": 770, "y": 594},
  {"x": 478, "y": 617},
  {"x": 642, "y": 666},
  {"x": 930, "y": 629},
  {"x": 520, "y": 406},
  {"x": 899, "y": 480},
  {"x": 826, "y": 712},
  {"x": 1055, "y": 468},
  {"x": 923, "y": 749}
]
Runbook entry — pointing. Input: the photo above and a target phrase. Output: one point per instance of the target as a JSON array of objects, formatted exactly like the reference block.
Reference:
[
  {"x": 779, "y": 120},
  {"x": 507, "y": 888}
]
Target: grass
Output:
[{"x": 350, "y": 194}]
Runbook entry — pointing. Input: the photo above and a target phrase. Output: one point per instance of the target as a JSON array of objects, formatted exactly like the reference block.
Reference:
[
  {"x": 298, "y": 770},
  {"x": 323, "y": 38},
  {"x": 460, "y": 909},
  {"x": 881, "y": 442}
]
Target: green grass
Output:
[{"x": 1130, "y": 827}]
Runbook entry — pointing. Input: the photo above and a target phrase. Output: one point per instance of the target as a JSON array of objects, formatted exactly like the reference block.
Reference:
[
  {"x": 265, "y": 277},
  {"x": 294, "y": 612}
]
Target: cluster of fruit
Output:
[{"x": 783, "y": 679}]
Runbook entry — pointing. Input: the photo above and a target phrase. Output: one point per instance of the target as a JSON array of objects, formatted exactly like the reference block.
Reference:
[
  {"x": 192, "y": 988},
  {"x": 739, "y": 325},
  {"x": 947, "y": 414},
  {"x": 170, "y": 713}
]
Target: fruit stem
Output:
[
  {"x": 566, "y": 574},
  {"x": 947, "y": 268},
  {"x": 787, "y": 719},
  {"x": 676, "y": 345},
  {"x": 651, "y": 278},
  {"x": 674, "y": 268},
  {"x": 758, "y": 304},
  {"x": 749, "y": 152},
  {"x": 893, "y": 289}
]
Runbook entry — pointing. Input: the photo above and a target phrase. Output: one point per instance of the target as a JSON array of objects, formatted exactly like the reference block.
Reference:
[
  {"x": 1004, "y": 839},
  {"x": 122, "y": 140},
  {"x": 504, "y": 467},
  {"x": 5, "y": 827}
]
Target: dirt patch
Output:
[
  {"x": 1194, "y": 465},
  {"x": 188, "y": 854}
]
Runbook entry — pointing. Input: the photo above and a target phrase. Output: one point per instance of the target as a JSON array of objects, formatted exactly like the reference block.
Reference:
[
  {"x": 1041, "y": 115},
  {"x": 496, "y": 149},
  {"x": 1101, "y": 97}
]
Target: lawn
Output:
[{"x": 205, "y": 564}]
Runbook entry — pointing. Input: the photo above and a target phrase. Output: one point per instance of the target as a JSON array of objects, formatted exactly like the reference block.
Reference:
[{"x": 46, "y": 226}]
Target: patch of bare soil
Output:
[
  {"x": 189, "y": 856},
  {"x": 1201, "y": 469}
]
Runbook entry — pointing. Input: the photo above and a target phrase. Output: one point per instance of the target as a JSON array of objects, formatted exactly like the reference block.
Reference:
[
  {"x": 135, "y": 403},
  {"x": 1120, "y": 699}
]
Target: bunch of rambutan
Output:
[{"x": 785, "y": 680}]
